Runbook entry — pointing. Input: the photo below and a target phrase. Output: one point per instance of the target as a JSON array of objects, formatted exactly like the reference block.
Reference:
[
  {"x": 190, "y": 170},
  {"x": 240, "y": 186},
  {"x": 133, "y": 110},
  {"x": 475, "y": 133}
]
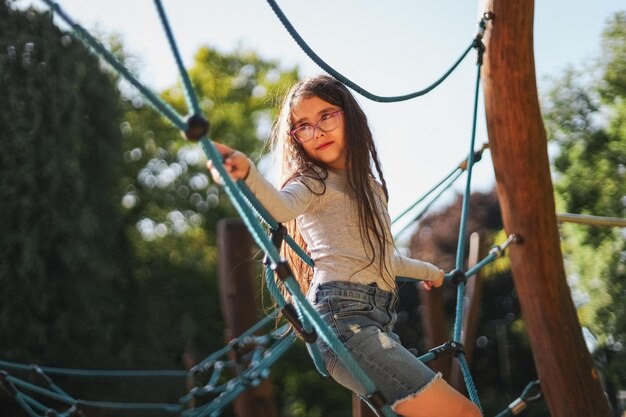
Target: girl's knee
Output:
[
  {"x": 473, "y": 411},
  {"x": 438, "y": 400}
]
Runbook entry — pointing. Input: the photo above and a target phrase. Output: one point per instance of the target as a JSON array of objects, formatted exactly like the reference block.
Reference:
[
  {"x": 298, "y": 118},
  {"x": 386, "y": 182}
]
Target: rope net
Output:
[{"x": 256, "y": 354}]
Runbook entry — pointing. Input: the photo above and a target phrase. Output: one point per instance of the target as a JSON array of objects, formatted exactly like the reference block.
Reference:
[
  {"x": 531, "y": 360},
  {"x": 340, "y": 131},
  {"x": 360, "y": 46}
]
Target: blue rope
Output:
[
  {"x": 273, "y": 289},
  {"x": 466, "y": 196},
  {"x": 458, "y": 322},
  {"x": 236, "y": 386},
  {"x": 224, "y": 350},
  {"x": 34, "y": 403},
  {"x": 190, "y": 95},
  {"x": 172, "y": 408},
  {"x": 39, "y": 390},
  {"x": 469, "y": 382},
  {"x": 95, "y": 373},
  {"x": 25, "y": 402},
  {"x": 457, "y": 171},
  {"x": 330, "y": 70},
  {"x": 160, "y": 105},
  {"x": 234, "y": 191}
]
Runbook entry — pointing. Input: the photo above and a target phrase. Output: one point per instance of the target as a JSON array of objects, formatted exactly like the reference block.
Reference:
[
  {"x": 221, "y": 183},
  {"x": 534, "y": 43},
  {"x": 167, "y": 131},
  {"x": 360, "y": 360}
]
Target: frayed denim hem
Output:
[{"x": 415, "y": 394}]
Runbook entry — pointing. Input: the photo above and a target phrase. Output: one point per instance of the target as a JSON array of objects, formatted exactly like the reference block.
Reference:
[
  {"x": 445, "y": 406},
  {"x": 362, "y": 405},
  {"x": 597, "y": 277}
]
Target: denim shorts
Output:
[{"x": 362, "y": 316}]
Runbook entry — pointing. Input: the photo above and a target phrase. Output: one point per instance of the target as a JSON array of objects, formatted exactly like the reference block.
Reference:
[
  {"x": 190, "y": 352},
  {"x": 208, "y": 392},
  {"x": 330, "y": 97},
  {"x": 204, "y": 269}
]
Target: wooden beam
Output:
[
  {"x": 591, "y": 220},
  {"x": 517, "y": 140},
  {"x": 240, "y": 306}
]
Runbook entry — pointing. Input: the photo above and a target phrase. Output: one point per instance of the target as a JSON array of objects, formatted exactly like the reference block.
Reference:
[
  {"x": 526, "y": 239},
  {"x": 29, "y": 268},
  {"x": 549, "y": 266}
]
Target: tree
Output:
[
  {"x": 585, "y": 113},
  {"x": 60, "y": 257},
  {"x": 518, "y": 145}
]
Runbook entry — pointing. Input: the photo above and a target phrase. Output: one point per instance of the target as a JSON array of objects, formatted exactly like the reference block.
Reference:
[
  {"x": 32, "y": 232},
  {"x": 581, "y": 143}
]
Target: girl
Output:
[{"x": 336, "y": 209}]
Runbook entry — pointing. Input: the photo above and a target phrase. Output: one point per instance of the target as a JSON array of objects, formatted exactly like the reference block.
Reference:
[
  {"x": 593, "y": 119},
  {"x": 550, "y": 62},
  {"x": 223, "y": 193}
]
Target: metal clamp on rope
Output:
[
  {"x": 449, "y": 348},
  {"x": 457, "y": 276},
  {"x": 290, "y": 313},
  {"x": 199, "y": 371},
  {"x": 282, "y": 270},
  {"x": 482, "y": 25},
  {"x": 197, "y": 127},
  {"x": 277, "y": 236},
  {"x": 478, "y": 39},
  {"x": 478, "y": 155},
  {"x": 75, "y": 410},
  {"x": 376, "y": 399},
  {"x": 498, "y": 250},
  {"x": 531, "y": 393},
  {"x": 40, "y": 373},
  {"x": 8, "y": 385}
]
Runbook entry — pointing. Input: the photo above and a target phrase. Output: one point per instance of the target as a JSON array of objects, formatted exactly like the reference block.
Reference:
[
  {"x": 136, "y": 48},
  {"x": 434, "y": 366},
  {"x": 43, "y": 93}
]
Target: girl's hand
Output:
[
  {"x": 236, "y": 163},
  {"x": 429, "y": 285}
]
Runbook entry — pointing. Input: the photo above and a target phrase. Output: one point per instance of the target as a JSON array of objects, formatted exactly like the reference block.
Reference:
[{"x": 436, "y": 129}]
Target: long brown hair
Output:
[{"x": 361, "y": 154}]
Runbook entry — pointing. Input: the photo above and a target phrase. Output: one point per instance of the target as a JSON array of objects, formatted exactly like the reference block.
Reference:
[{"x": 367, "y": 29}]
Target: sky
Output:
[{"x": 387, "y": 47}]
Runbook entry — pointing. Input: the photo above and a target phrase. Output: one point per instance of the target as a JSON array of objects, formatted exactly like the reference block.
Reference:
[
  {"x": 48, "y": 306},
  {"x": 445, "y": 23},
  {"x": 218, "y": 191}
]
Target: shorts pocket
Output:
[{"x": 346, "y": 306}]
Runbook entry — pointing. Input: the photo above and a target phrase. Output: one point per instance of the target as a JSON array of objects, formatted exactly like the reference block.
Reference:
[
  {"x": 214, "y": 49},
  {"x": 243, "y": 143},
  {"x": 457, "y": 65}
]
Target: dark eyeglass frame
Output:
[{"x": 293, "y": 132}]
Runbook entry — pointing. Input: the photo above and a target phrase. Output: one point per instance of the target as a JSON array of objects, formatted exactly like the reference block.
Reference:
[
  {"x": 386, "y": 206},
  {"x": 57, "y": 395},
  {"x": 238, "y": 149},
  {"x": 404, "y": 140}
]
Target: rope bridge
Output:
[{"x": 257, "y": 353}]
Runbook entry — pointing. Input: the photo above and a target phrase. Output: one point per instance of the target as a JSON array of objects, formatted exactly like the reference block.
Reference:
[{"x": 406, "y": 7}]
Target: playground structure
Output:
[{"x": 518, "y": 146}]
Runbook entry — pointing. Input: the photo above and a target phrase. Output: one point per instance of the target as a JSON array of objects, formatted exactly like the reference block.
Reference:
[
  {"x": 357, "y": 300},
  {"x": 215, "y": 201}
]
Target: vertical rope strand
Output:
[
  {"x": 460, "y": 255},
  {"x": 190, "y": 95}
]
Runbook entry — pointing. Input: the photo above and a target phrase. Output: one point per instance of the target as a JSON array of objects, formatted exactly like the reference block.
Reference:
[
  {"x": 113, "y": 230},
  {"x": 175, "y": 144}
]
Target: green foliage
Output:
[
  {"x": 60, "y": 253},
  {"x": 107, "y": 257},
  {"x": 171, "y": 208},
  {"x": 586, "y": 119}
]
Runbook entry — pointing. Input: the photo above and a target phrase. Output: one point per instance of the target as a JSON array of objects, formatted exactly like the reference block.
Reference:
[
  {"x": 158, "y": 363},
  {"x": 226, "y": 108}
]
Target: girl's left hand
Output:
[{"x": 438, "y": 282}]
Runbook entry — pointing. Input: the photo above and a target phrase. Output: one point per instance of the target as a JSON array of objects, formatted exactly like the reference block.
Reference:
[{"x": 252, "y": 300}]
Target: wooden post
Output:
[
  {"x": 471, "y": 309},
  {"x": 434, "y": 326},
  {"x": 517, "y": 140},
  {"x": 240, "y": 307}
]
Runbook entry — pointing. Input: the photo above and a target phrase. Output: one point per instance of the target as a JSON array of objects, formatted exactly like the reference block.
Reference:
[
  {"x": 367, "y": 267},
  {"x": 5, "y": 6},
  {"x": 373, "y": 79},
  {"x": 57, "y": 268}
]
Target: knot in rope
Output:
[{"x": 197, "y": 127}]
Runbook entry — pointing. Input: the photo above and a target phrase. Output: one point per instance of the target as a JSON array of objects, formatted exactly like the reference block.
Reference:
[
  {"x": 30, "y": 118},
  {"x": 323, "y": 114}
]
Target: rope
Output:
[
  {"x": 531, "y": 393},
  {"x": 323, "y": 65},
  {"x": 190, "y": 95},
  {"x": 458, "y": 322},
  {"x": 95, "y": 372},
  {"x": 159, "y": 104},
  {"x": 243, "y": 202},
  {"x": 273, "y": 224},
  {"x": 236, "y": 386}
]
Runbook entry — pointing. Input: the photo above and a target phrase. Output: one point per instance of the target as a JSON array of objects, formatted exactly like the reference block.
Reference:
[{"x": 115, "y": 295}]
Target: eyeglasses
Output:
[{"x": 327, "y": 123}]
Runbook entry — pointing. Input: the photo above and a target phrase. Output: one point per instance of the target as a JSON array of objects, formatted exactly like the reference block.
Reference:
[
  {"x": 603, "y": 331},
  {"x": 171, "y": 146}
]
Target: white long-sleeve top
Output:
[{"x": 329, "y": 225}]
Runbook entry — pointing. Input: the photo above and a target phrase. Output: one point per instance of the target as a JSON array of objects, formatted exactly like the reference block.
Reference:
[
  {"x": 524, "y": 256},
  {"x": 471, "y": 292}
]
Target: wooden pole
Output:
[
  {"x": 591, "y": 220},
  {"x": 517, "y": 140},
  {"x": 240, "y": 307},
  {"x": 434, "y": 325}
]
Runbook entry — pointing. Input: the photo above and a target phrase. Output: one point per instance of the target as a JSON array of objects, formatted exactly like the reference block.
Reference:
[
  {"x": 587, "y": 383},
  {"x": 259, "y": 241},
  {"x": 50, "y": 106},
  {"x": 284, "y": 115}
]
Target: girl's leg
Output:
[{"x": 437, "y": 400}]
